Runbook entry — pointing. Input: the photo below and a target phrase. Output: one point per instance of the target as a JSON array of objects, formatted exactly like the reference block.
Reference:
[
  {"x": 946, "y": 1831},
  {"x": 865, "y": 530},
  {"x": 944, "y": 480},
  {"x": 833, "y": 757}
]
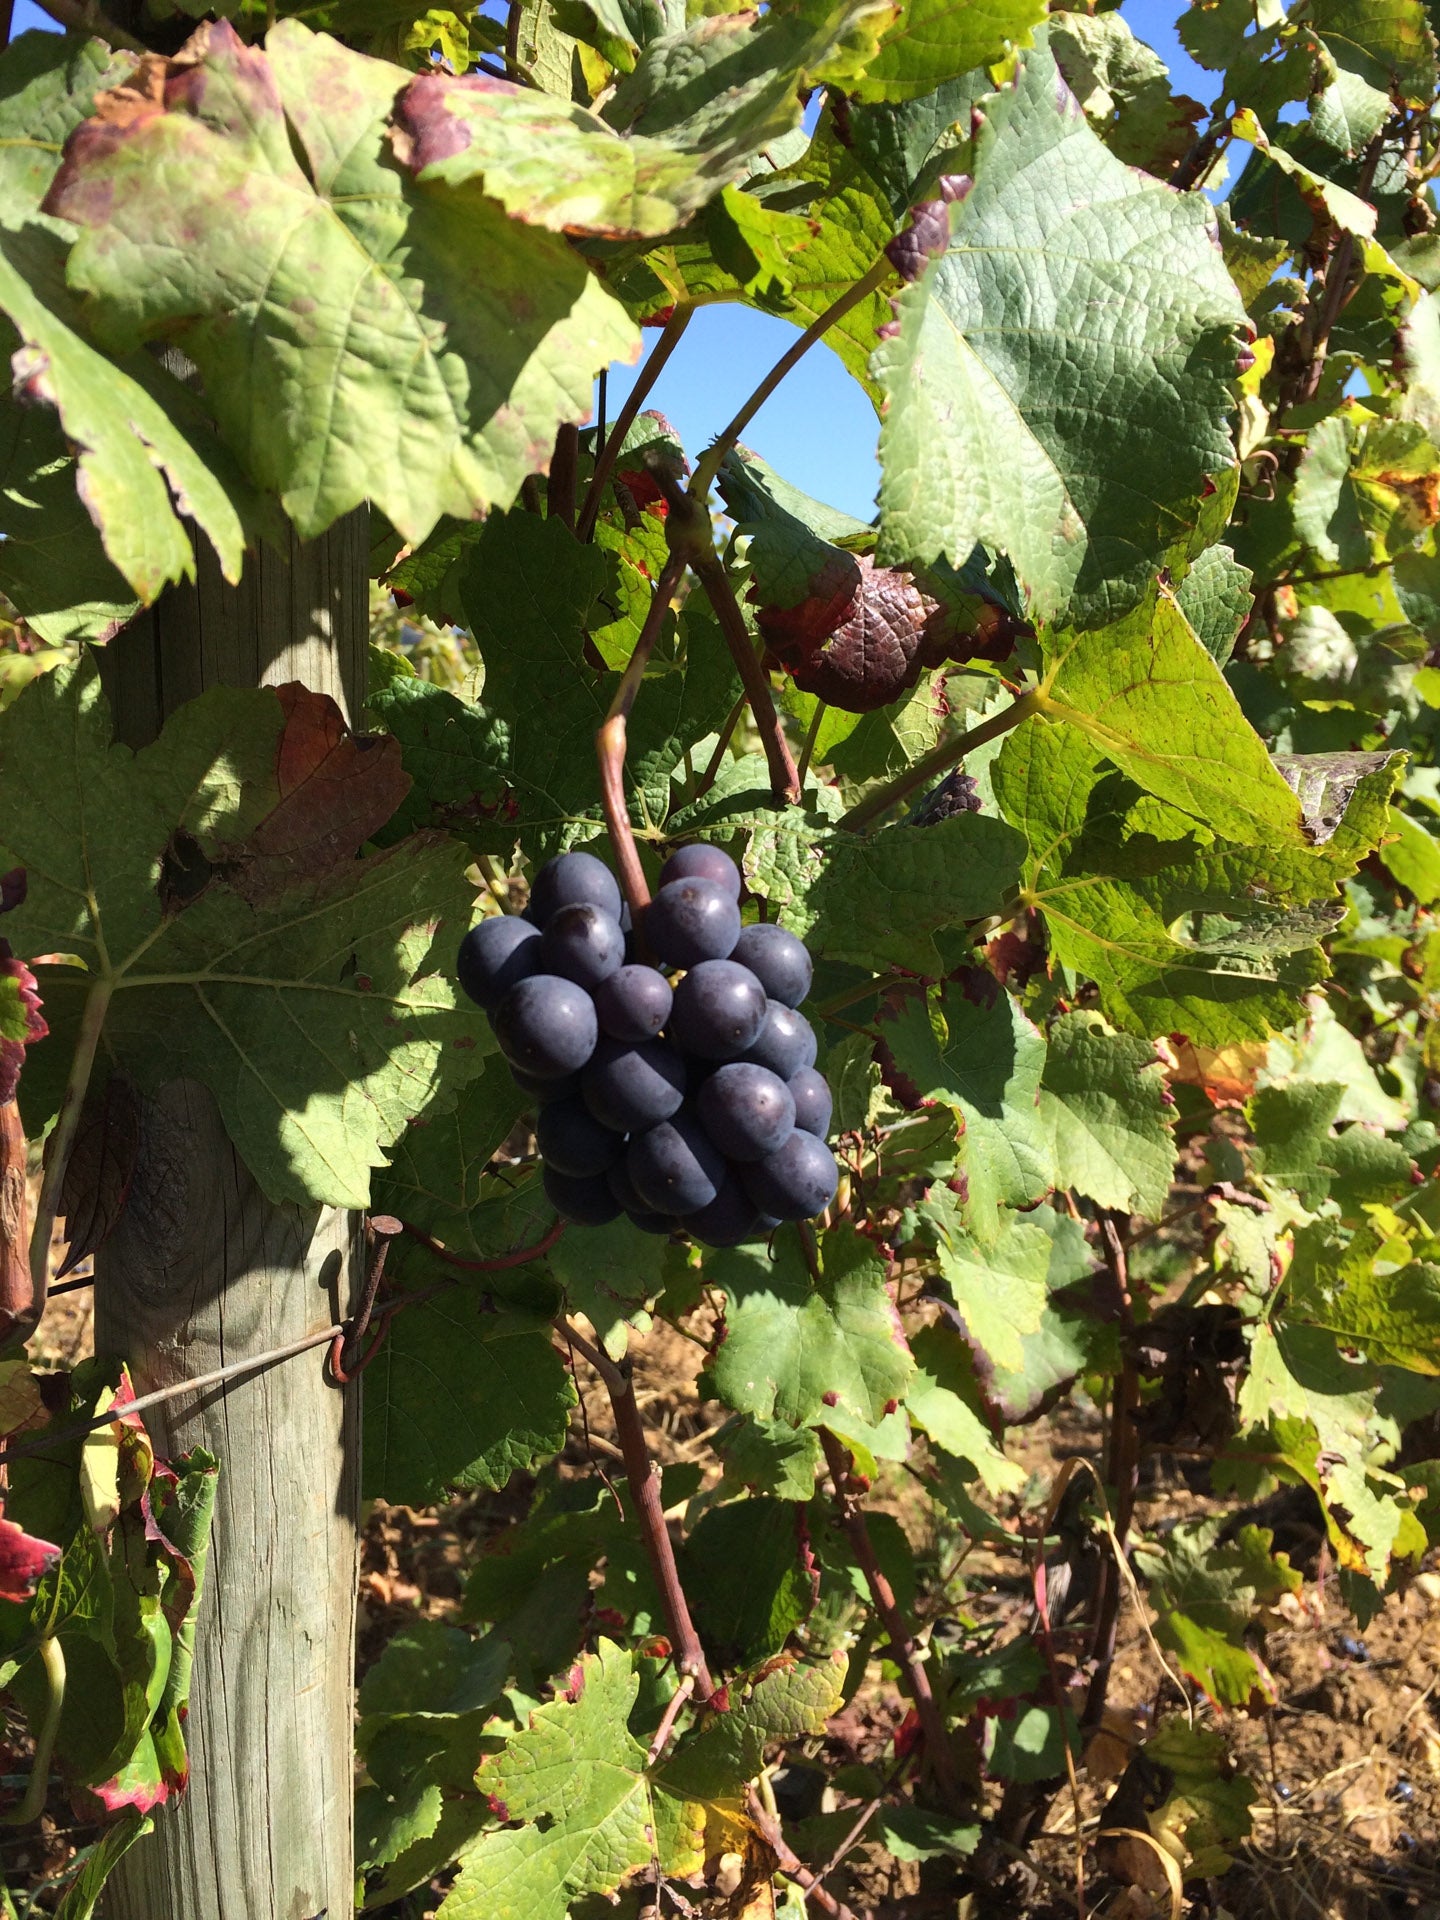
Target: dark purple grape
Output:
[
  {"x": 631, "y": 1088},
  {"x": 730, "y": 1218},
  {"x": 573, "y": 1141},
  {"x": 690, "y": 921},
  {"x": 635, "y": 1208},
  {"x": 633, "y": 1004},
  {"x": 719, "y": 1011},
  {"x": 589, "y": 1203},
  {"x": 746, "y": 1110},
  {"x": 495, "y": 956},
  {"x": 582, "y": 944},
  {"x": 785, "y": 1042},
  {"x": 572, "y": 880},
  {"x": 656, "y": 1223},
  {"x": 674, "y": 1168},
  {"x": 795, "y": 1183},
  {"x": 700, "y": 862},
  {"x": 546, "y": 1026},
  {"x": 542, "y": 1092},
  {"x": 813, "y": 1104},
  {"x": 777, "y": 960}
]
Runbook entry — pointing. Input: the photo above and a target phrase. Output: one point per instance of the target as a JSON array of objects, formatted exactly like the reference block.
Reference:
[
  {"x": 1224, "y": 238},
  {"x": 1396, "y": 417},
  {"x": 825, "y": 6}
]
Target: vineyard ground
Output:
[{"x": 1347, "y": 1823}]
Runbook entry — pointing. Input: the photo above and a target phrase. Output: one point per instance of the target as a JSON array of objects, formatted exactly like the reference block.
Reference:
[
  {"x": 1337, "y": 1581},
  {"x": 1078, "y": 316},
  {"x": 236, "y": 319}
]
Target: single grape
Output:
[
  {"x": 730, "y": 1218},
  {"x": 582, "y": 944},
  {"x": 495, "y": 956},
  {"x": 542, "y": 1092},
  {"x": 631, "y": 1088},
  {"x": 656, "y": 1223},
  {"x": 588, "y": 1202},
  {"x": 813, "y": 1104},
  {"x": 785, "y": 1042},
  {"x": 573, "y": 1141},
  {"x": 674, "y": 1168},
  {"x": 546, "y": 1026},
  {"x": 633, "y": 1004},
  {"x": 690, "y": 921},
  {"x": 700, "y": 862},
  {"x": 719, "y": 1011},
  {"x": 746, "y": 1110},
  {"x": 795, "y": 1183},
  {"x": 777, "y": 960},
  {"x": 572, "y": 880}
]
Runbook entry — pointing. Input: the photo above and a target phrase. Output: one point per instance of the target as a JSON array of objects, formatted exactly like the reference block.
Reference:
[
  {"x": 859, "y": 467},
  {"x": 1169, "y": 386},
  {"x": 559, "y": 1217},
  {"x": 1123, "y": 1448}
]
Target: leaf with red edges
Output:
[{"x": 24, "y": 1561}]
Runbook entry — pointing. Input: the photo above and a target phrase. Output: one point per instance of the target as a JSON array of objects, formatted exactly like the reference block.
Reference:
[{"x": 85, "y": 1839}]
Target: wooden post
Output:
[{"x": 204, "y": 1270}]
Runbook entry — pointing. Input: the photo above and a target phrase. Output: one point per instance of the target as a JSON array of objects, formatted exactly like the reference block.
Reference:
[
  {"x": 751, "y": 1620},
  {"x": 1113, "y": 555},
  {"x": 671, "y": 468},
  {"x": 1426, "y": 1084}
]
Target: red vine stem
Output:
[
  {"x": 902, "y": 1640},
  {"x": 947, "y": 755},
  {"x": 610, "y": 740},
  {"x": 496, "y": 1263},
  {"x": 625, "y": 419},
  {"x": 790, "y": 1863},
  {"x": 784, "y": 780},
  {"x": 644, "y": 1478}
]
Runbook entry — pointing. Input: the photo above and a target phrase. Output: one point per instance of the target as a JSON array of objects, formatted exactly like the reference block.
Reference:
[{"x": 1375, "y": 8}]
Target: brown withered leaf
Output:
[
  {"x": 100, "y": 1169},
  {"x": 864, "y": 634},
  {"x": 336, "y": 788}
]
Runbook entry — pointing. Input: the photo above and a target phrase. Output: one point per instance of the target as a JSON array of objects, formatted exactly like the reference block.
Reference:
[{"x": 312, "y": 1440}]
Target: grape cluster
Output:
[{"x": 684, "y": 1094}]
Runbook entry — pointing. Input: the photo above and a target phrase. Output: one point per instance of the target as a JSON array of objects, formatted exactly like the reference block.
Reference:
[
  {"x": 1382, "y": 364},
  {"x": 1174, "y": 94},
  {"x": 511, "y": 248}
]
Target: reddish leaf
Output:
[
  {"x": 24, "y": 1561},
  {"x": 17, "y": 1292},
  {"x": 337, "y": 788},
  {"x": 101, "y": 1167},
  {"x": 26, "y": 991},
  {"x": 865, "y": 634}
]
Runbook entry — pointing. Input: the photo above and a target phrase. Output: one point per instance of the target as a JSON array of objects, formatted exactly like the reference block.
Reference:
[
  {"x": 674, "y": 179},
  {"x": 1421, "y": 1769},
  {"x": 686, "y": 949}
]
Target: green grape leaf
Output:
[
  {"x": 1380, "y": 1295},
  {"x": 1412, "y": 854},
  {"x": 971, "y": 1047},
  {"x": 1183, "y": 934},
  {"x": 609, "y": 1273},
  {"x": 1102, "y": 284},
  {"x": 743, "y": 1564},
  {"x": 1124, "y": 88},
  {"x": 807, "y": 1351},
  {"x": 1215, "y": 599},
  {"x": 1205, "y": 1596},
  {"x": 881, "y": 901},
  {"x": 1387, "y": 44},
  {"x": 794, "y": 1699},
  {"x": 938, "y": 40},
  {"x": 360, "y": 335},
  {"x": 1105, "y": 1104},
  {"x": 82, "y": 1896},
  {"x": 766, "y": 1456},
  {"x": 435, "y": 1179},
  {"x": 1153, "y": 699},
  {"x": 941, "y": 1399},
  {"x": 575, "y": 1780},
  {"x": 461, "y": 1398},
  {"x": 508, "y": 768},
  {"x": 998, "y": 1287},
  {"x": 1291, "y": 1127},
  {"x": 1211, "y": 1799},
  {"x": 387, "y": 1822},
  {"x": 717, "y": 93},
  {"x": 207, "y": 887}
]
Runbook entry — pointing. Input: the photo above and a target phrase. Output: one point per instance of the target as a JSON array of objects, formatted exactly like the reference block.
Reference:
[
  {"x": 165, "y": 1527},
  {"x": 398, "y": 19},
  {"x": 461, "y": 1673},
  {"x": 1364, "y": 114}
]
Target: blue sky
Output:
[{"x": 818, "y": 429}]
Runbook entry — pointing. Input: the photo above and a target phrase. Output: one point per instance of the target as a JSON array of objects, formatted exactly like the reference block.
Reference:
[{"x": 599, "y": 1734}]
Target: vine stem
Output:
[
  {"x": 1122, "y": 1472},
  {"x": 811, "y": 736},
  {"x": 947, "y": 755},
  {"x": 62, "y": 1140},
  {"x": 644, "y": 1478},
  {"x": 496, "y": 1263},
  {"x": 630, "y": 407},
  {"x": 902, "y": 1640},
  {"x": 52, "y": 1660},
  {"x": 87, "y": 18},
  {"x": 790, "y": 1863},
  {"x": 784, "y": 780},
  {"x": 610, "y": 740},
  {"x": 710, "y": 460}
]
